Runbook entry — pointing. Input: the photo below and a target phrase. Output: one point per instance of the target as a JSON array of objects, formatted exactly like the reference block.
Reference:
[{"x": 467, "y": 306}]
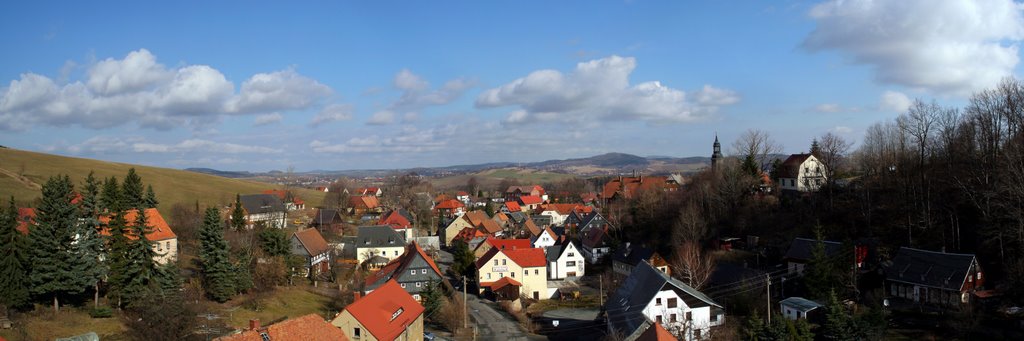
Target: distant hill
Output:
[
  {"x": 226, "y": 174},
  {"x": 22, "y": 173}
]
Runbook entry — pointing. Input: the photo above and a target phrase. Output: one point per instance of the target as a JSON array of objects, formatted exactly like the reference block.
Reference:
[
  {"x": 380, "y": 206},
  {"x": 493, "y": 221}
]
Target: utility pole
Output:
[
  {"x": 600, "y": 279},
  {"x": 465, "y": 310},
  {"x": 769, "y": 290}
]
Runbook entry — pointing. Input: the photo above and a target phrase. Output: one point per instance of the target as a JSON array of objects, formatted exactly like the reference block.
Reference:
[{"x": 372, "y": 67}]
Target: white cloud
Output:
[
  {"x": 946, "y": 47},
  {"x": 199, "y": 145},
  {"x": 137, "y": 89},
  {"x": 842, "y": 129},
  {"x": 408, "y": 140},
  {"x": 600, "y": 89},
  {"x": 266, "y": 119},
  {"x": 894, "y": 101},
  {"x": 333, "y": 113},
  {"x": 827, "y": 108},
  {"x": 382, "y": 117}
]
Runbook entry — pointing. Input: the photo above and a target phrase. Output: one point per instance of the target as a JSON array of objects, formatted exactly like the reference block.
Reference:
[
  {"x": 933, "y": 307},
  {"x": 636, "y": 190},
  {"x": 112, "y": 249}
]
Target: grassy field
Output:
[
  {"x": 283, "y": 302},
  {"x": 43, "y": 324},
  {"x": 490, "y": 178},
  {"x": 22, "y": 173}
]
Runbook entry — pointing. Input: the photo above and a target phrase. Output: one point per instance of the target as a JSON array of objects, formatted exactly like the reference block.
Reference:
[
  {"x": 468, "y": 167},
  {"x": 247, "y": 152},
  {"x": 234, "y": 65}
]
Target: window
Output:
[
  {"x": 526, "y": 272},
  {"x": 355, "y": 332},
  {"x": 396, "y": 253},
  {"x": 979, "y": 276},
  {"x": 168, "y": 246},
  {"x": 570, "y": 263},
  {"x": 419, "y": 284},
  {"x": 495, "y": 262},
  {"x": 383, "y": 253},
  {"x": 536, "y": 272},
  {"x": 672, "y": 318},
  {"x": 423, "y": 271},
  {"x": 689, "y": 316},
  {"x": 403, "y": 285},
  {"x": 714, "y": 318},
  {"x": 159, "y": 247},
  {"x": 658, "y": 318},
  {"x": 657, "y": 301},
  {"x": 571, "y": 254},
  {"x": 503, "y": 262},
  {"x": 488, "y": 276},
  {"x": 412, "y": 272},
  {"x": 513, "y": 274},
  {"x": 697, "y": 334},
  {"x": 672, "y": 302}
]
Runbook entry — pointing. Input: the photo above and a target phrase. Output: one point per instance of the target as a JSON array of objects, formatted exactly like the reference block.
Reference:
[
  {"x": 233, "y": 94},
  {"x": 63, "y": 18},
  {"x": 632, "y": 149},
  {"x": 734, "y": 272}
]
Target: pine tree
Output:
[
  {"x": 838, "y": 325},
  {"x": 150, "y": 199},
  {"x": 110, "y": 198},
  {"x": 89, "y": 246},
  {"x": 218, "y": 275},
  {"x": 168, "y": 278},
  {"x": 238, "y": 214},
  {"x": 56, "y": 271},
  {"x": 140, "y": 270},
  {"x": 118, "y": 255},
  {"x": 243, "y": 276},
  {"x": 14, "y": 278},
  {"x": 274, "y": 242},
  {"x": 131, "y": 191},
  {"x": 433, "y": 298}
]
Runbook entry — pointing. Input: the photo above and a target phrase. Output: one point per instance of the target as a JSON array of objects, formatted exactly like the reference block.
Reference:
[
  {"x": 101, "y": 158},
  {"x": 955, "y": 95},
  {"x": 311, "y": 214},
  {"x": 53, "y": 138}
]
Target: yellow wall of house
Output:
[
  {"x": 535, "y": 281},
  {"x": 454, "y": 228},
  {"x": 166, "y": 251},
  {"x": 347, "y": 323}
]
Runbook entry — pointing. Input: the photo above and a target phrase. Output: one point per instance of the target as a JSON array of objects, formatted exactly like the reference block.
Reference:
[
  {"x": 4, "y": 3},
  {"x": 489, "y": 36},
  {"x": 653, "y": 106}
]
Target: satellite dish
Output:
[
  {"x": 554, "y": 323},
  {"x": 885, "y": 302}
]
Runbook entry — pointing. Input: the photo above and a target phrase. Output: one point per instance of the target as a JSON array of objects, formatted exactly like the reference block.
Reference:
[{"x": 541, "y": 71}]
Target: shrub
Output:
[{"x": 101, "y": 312}]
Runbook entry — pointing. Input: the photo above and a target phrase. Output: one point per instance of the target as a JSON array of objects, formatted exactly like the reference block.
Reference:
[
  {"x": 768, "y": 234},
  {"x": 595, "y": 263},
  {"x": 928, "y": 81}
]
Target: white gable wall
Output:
[
  {"x": 700, "y": 318},
  {"x": 571, "y": 261}
]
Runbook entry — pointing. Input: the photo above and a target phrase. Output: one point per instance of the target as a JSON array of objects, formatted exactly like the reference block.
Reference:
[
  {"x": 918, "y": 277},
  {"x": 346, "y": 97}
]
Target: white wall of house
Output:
[
  {"x": 594, "y": 255},
  {"x": 569, "y": 264},
  {"x": 391, "y": 252},
  {"x": 699, "y": 321},
  {"x": 556, "y": 218},
  {"x": 543, "y": 240},
  {"x": 271, "y": 219},
  {"x": 166, "y": 251},
  {"x": 811, "y": 176}
]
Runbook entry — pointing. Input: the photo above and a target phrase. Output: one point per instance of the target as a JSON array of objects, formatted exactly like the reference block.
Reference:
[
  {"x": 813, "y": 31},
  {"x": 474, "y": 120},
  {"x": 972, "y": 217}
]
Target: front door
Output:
[{"x": 536, "y": 295}]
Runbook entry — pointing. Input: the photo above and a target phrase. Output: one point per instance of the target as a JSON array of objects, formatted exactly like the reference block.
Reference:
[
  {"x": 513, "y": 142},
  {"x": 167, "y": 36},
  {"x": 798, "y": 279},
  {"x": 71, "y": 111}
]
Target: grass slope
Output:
[
  {"x": 22, "y": 173},
  {"x": 490, "y": 178}
]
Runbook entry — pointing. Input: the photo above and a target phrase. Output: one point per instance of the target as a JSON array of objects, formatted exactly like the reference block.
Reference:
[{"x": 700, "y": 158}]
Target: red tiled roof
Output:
[
  {"x": 364, "y": 202},
  {"x": 398, "y": 265},
  {"x": 532, "y": 227},
  {"x": 312, "y": 241},
  {"x": 462, "y": 194},
  {"x": 281, "y": 194},
  {"x": 501, "y": 283},
  {"x": 476, "y": 218},
  {"x": 449, "y": 204},
  {"x": 513, "y": 206},
  {"x": 376, "y": 311},
  {"x": 565, "y": 209},
  {"x": 26, "y": 216},
  {"x": 490, "y": 226},
  {"x": 159, "y": 228},
  {"x": 395, "y": 220},
  {"x": 526, "y": 258},
  {"x": 367, "y": 191},
  {"x": 656, "y": 333},
  {"x": 468, "y": 233},
  {"x": 509, "y": 244},
  {"x": 530, "y": 200},
  {"x": 628, "y": 186},
  {"x": 310, "y": 327}
]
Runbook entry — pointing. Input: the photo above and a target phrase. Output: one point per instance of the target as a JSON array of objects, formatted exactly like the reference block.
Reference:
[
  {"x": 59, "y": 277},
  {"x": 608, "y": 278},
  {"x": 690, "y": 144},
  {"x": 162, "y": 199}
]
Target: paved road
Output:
[{"x": 494, "y": 324}]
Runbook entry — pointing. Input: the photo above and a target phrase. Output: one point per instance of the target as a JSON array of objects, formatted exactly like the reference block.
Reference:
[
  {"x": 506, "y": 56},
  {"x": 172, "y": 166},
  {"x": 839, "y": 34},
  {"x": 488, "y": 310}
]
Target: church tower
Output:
[{"x": 716, "y": 156}]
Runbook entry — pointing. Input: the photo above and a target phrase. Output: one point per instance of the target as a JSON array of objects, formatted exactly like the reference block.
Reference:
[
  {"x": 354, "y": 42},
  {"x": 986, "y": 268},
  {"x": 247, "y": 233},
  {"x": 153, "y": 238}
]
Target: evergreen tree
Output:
[
  {"x": 838, "y": 325},
  {"x": 750, "y": 166},
  {"x": 110, "y": 197},
  {"x": 822, "y": 273},
  {"x": 168, "y": 278},
  {"x": 14, "y": 278},
  {"x": 150, "y": 199},
  {"x": 89, "y": 245},
  {"x": 433, "y": 298},
  {"x": 274, "y": 242},
  {"x": 214, "y": 260},
  {"x": 131, "y": 191},
  {"x": 753, "y": 327},
  {"x": 118, "y": 255},
  {"x": 242, "y": 274},
  {"x": 140, "y": 269},
  {"x": 238, "y": 214},
  {"x": 56, "y": 272}
]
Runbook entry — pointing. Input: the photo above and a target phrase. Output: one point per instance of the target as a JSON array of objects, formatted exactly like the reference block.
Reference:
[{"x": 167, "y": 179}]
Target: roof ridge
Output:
[{"x": 938, "y": 252}]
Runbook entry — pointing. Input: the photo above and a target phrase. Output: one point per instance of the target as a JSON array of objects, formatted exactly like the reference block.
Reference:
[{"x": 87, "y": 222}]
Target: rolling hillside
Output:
[{"x": 22, "y": 173}]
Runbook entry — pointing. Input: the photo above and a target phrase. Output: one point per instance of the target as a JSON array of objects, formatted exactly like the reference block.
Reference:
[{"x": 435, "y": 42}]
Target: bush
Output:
[{"x": 101, "y": 312}]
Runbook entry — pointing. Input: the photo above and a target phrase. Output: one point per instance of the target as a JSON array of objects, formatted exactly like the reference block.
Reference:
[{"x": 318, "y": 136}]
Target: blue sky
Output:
[{"x": 325, "y": 85}]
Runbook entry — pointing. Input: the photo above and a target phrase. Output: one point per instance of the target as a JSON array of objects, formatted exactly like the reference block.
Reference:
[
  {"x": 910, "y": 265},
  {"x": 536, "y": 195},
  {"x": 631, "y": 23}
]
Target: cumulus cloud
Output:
[
  {"x": 138, "y": 89},
  {"x": 408, "y": 140},
  {"x": 382, "y": 117},
  {"x": 600, "y": 89},
  {"x": 267, "y": 119},
  {"x": 417, "y": 94},
  {"x": 947, "y": 47},
  {"x": 116, "y": 145},
  {"x": 894, "y": 101},
  {"x": 333, "y": 113}
]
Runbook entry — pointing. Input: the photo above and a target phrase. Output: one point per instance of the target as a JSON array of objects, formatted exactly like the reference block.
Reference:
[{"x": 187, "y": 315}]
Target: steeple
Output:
[{"x": 716, "y": 155}]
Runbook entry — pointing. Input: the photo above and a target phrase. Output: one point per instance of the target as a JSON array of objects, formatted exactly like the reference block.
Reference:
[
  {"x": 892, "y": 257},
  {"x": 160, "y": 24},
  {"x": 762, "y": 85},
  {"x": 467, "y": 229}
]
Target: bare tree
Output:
[
  {"x": 337, "y": 194},
  {"x": 757, "y": 145},
  {"x": 691, "y": 224},
  {"x": 692, "y": 265},
  {"x": 833, "y": 149}
]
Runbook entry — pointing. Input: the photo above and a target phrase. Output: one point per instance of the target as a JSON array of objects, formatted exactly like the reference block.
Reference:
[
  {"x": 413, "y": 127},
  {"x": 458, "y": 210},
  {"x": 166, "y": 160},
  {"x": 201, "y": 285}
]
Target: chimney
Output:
[
  {"x": 356, "y": 295},
  {"x": 254, "y": 324}
]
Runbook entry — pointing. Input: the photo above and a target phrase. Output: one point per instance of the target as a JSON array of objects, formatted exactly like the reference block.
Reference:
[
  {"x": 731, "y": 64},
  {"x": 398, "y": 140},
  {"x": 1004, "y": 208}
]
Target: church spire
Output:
[{"x": 716, "y": 155}]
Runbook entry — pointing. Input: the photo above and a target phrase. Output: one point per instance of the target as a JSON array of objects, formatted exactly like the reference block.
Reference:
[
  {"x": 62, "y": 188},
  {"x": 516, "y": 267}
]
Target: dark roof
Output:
[
  {"x": 791, "y": 167},
  {"x": 378, "y": 236},
  {"x": 801, "y": 303},
  {"x": 312, "y": 241},
  {"x": 595, "y": 237},
  {"x": 261, "y": 203},
  {"x": 632, "y": 254},
  {"x": 730, "y": 274},
  {"x": 554, "y": 251},
  {"x": 801, "y": 248},
  {"x": 325, "y": 216},
  {"x": 625, "y": 307},
  {"x": 929, "y": 268},
  {"x": 413, "y": 255}
]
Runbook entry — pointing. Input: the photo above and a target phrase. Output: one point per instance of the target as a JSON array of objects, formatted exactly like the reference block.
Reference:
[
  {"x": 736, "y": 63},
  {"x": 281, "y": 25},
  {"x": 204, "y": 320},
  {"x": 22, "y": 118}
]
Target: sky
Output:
[{"x": 314, "y": 85}]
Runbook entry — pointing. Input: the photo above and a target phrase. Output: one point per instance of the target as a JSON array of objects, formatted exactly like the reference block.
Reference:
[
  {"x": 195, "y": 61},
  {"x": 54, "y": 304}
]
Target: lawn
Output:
[
  {"x": 283, "y": 302},
  {"x": 43, "y": 324}
]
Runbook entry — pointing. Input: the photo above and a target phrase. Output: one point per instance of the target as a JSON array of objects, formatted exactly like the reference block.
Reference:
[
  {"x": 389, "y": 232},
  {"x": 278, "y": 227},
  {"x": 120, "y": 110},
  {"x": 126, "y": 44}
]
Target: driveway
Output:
[{"x": 494, "y": 324}]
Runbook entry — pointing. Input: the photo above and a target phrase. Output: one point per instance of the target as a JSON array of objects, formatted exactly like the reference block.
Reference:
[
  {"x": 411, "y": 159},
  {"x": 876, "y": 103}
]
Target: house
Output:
[
  {"x": 502, "y": 244},
  {"x": 939, "y": 278},
  {"x": 596, "y": 245},
  {"x": 655, "y": 332},
  {"x": 511, "y": 206},
  {"x": 310, "y": 327},
  {"x": 527, "y": 266},
  {"x": 469, "y": 234},
  {"x": 387, "y": 313},
  {"x": 795, "y": 308},
  {"x": 165, "y": 242},
  {"x": 530, "y": 202},
  {"x": 564, "y": 261},
  {"x": 630, "y": 187},
  {"x": 513, "y": 193},
  {"x": 581, "y": 223},
  {"x": 651, "y": 296},
  {"x": 266, "y": 209},
  {"x": 369, "y": 191},
  {"x": 450, "y": 208},
  {"x": 629, "y": 255},
  {"x": 380, "y": 241},
  {"x": 398, "y": 221},
  {"x": 327, "y": 219},
  {"x": 559, "y": 212},
  {"x": 413, "y": 270},
  {"x": 802, "y": 173},
  {"x": 541, "y": 221},
  {"x": 475, "y": 219},
  {"x": 312, "y": 247},
  {"x": 363, "y": 204},
  {"x": 546, "y": 238},
  {"x": 453, "y": 229},
  {"x": 291, "y": 202},
  {"x": 26, "y": 217},
  {"x": 463, "y": 197},
  {"x": 800, "y": 254}
]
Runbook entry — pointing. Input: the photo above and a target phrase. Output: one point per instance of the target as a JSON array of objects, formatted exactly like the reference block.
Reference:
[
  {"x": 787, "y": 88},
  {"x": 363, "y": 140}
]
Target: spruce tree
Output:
[
  {"x": 168, "y": 278},
  {"x": 118, "y": 254},
  {"x": 89, "y": 246},
  {"x": 56, "y": 271},
  {"x": 243, "y": 276},
  {"x": 131, "y": 191},
  {"x": 238, "y": 214},
  {"x": 150, "y": 199},
  {"x": 110, "y": 197},
  {"x": 14, "y": 278},
  {"x": 215, "y": 262},
  {"x": 274, "y": 242},
  {"x": 140, "y": 269}
]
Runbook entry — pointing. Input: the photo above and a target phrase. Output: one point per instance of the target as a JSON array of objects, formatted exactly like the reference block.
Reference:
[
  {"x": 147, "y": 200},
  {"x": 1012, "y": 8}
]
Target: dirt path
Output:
[{"x": 23, "y": 180}]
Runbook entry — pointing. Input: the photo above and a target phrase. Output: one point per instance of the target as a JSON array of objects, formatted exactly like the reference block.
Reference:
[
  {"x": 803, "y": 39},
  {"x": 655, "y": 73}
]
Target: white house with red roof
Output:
[
  {"x": 388, "y": 313},
  {"x": 165, "y": 242},
  {"x": 413, "y": 271},
  {"x": 527, "y": 266},
  {"x": 530, "y": 202}
]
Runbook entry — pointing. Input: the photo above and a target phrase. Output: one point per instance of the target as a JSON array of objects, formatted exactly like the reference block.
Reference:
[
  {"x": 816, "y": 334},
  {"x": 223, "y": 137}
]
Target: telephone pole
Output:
[
  {"x": 465, "y": 310},
  {"x": 769, "y": 290},
  {"x": 600, "y": 279}
]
